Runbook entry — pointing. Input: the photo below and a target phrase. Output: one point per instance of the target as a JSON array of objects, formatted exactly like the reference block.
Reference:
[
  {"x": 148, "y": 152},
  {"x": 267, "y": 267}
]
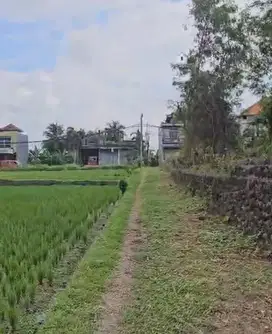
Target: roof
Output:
[
  {"x": 254, "y": 110},
  {"x": 10, "y": 127}
]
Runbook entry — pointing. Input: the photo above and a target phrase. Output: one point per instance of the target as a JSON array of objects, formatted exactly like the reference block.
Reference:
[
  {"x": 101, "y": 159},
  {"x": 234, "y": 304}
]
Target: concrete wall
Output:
[
  {"x": 19, "y": 146},
  {"x": 22, "y": 148},
  {"x": 117, "y": 157},
  {"x": 107, "y": 157}
]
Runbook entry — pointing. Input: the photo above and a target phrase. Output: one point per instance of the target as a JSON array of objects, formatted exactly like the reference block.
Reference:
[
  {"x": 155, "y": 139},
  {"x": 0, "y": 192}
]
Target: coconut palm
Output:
[
  {"x": 114, "y": 131},
  {"x": 54, "y": 138}
]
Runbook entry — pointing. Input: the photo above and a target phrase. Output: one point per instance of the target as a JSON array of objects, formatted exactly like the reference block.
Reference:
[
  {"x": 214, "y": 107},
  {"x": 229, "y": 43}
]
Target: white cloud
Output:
[{"x": 116, "y": 71}]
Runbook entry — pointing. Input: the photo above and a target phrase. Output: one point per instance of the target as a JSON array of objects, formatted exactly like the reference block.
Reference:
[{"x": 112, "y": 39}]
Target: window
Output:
[
  {"x": 5, "y": 142},
  {"x": 171, "y": 135}
]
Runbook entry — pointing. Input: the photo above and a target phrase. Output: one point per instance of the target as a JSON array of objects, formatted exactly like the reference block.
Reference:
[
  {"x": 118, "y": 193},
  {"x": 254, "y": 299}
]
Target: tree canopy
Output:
[{"x": 231, "y": 51}]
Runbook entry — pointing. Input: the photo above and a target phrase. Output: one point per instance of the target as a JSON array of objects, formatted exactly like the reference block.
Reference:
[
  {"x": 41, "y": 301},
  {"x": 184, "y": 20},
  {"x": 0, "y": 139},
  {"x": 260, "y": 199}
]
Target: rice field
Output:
[
  {"x": 93, "y": 174},
  {"x": 38, "y": 226}
]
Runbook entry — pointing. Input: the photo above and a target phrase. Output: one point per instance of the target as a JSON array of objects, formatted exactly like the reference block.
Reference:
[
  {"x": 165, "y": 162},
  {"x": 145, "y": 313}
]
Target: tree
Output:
[
  {"x": 267, "y": 115},
  {"x": 258, "y": 16},
  {"x": 54, "y": 138},
  {"x": 136, "y": 136},
  {"x": 33, "y": 155},
  {"x": 210, "y": 76},
  {"x": 73, "y": 142},
  {"x": 114, "y": 131}
]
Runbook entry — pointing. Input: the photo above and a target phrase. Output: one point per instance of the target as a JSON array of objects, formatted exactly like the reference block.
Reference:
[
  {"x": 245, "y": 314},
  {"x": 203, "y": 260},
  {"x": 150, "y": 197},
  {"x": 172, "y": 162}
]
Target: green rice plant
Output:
[
  {"x": 17, "y": 291},
  {"x": 12, "y": 318},
  {"x": 23, "y": 287},
  {"x": 3, "y": 285},
  {"x": 26, "y": 302},
  {"x": 50, "y": 277},
  {"x": 31, "y": 275},
  {"x": 3, "y": 308},
  {"x": 85, "y": 237},
  {"x": 38, "y": 225},
  {"x": 31, "y": 291},
  {"x": 11, "y": 297},
  {"x": 40, "y": 274}
]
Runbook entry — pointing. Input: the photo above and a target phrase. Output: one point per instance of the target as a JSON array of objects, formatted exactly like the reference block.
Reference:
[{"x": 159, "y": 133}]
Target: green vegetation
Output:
[
  {"x": 231, "y": 51},
  {"x": 38, "y": 226},
  {"x": 194, "y": 275},
  {"x": 76, "y": 308},
  {"x": 93, "y": 174}
]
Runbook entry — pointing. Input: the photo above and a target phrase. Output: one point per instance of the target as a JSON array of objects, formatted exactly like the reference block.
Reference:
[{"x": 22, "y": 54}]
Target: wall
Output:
[
  {"x": 107, "y": 157},
  {"x": 12, "y": 135},
  {"x": 245, "y": 197},
  {"x": 170, "y": 140},
  {"x": 21, "y": 148},
  {"x": 170, "y": 153}
]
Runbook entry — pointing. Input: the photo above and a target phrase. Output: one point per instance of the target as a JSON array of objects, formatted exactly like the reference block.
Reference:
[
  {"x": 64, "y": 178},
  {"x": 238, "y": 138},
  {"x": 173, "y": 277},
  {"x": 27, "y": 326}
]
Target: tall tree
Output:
[
  {"x": 136, "y": 136},
  {"x": 258, "y": 17},
  {"x": 54, "y": 138},
  {"x": 114, "y": 131},
  {"x": 210, "y": 76}
]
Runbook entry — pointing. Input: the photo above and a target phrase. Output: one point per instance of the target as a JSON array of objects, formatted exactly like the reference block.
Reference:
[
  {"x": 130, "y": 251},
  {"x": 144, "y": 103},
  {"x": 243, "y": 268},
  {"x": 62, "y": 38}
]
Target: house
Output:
[
  {"x": 97, "y": 151},
  {"x": 13, "y": 144},
  {"x": 248, "y": 116},
  {"x": 171, "y": 138}
]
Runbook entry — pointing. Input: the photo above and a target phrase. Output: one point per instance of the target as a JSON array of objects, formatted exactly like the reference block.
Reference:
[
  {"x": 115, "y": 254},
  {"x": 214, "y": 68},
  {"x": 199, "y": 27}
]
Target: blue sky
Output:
[{"x": 35, "y": 45}]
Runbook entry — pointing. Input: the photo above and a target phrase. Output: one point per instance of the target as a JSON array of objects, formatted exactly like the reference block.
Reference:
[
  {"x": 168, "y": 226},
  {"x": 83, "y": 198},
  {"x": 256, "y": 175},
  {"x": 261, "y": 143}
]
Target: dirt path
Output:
[{"x": 119, "y": 287}]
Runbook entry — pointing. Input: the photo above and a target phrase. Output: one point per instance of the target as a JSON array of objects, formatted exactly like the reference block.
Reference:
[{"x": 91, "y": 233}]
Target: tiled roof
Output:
[
  {"x": 254, "y": 110},
  {"x": 10, "y": 127}
]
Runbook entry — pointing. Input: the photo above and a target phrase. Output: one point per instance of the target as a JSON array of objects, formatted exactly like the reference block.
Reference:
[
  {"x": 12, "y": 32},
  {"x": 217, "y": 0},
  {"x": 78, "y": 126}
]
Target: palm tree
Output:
[
  {"x": 114, "y": 131},
  {"x": 54, "y": 138}
]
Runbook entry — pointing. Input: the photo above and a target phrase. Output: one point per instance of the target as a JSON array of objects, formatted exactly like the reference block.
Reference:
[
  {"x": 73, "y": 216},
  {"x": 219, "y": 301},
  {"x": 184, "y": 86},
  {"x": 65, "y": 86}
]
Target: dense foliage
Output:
[{"x": 232, "y": 51}]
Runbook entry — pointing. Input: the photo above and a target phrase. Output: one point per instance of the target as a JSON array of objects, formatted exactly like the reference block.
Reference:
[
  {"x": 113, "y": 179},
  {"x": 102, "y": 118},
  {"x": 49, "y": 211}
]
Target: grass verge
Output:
[
  {"x": 77, "y": 307},
  {"x": 193, "y": 275}
]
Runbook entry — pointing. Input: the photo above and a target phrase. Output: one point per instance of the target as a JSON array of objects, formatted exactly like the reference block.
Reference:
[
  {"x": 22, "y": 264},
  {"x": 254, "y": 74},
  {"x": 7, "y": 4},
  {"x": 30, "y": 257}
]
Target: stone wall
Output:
[{"x": 245, "y": 197}]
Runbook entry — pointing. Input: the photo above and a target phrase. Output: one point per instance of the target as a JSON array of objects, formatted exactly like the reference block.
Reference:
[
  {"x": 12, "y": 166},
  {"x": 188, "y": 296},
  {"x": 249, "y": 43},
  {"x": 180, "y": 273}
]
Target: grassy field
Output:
[
  {"x": 191, "y": 273},
  {"x": 194, "y": 275},
  {"x": 92, "y": 174},
  {"x": 38, "y": 227}
]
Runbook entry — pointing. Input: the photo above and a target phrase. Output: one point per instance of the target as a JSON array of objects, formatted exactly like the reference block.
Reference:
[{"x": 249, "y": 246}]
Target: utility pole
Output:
[
  {"x": 147, "y": 140},
  {"x": 141, "y": 145}
]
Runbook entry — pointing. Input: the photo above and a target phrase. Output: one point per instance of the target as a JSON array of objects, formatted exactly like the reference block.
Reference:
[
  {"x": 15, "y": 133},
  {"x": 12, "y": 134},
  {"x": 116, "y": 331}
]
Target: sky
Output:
[{"x": 85, "y": 63}]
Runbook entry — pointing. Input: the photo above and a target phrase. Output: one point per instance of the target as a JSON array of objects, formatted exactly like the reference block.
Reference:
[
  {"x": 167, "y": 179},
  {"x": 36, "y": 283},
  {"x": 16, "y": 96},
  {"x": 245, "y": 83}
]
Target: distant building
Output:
[
  {"x": 96, "y": 151},
  {"x": 171, "y": 138},
  {"x": 13, "y": 144},
  {"x": 248, "y": 116}
]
